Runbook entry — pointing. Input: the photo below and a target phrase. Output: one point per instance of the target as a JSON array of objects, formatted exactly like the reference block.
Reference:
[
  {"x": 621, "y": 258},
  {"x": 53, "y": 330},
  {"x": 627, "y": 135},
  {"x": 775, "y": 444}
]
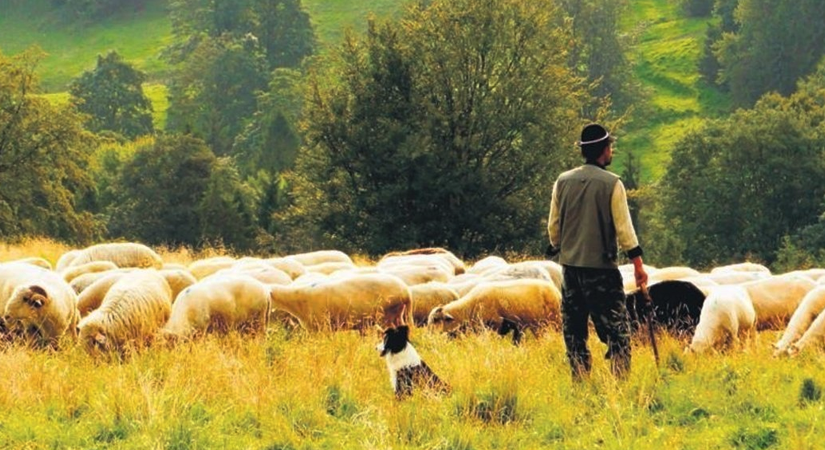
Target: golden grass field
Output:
[{"x": 291, "y": 389}]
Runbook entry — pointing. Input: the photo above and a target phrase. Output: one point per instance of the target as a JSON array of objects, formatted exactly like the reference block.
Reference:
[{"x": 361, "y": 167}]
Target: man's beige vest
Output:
[{"x": 586, "y": 228}]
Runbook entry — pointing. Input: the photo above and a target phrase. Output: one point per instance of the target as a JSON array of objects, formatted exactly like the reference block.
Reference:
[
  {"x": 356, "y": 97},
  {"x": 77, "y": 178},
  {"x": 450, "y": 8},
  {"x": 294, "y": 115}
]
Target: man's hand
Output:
[{"x": 639, "y": 272}]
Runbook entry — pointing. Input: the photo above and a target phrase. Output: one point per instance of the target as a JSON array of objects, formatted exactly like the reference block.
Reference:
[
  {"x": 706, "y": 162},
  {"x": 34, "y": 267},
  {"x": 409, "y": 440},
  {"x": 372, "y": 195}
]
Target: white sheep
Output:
[
  {"x": 726, "y": 315},
  {"x": 320, "y": 256},
  {"x": 35, "y": 260},
  {"x": 487, "y": 264},
  {"x": 743, "y": 267},
  {"x": 202, "y": 268},
  {"x": 289, "y": 266},
  {"x": 73, "y": 272},
  {"x": 776, "y": 298},
  {"x": 123, "y": 254},
  {"x": 133, "y": 311},
  {"x": 220, "y": 304},
  {"x": 65, "y": 260},
  {"x": 414, "y": 275},
  {"x": 802, "y": 321},
  {"x": 353, "y": 301},
  {"x": 513, "y": 304},
  {"x": 36, "y": 302},
  {"x": 427, "y": 256},
  {"x": 427, "y": 296}
]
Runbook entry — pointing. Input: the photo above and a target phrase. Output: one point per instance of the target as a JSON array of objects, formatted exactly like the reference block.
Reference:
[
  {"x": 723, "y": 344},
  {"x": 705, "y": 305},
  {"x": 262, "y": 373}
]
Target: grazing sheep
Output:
[
  {"x": 743, "y": 267},
  {"x": 178, "y": 279},
  {"x": 36, "y": 303},
  {"x": 776, "y": 298},
  {"x": 91, "y": 297},
  {"x": 123, "y": 254},
  {"x": 320, "y": 257},
  {"x": 220, "y": 304},
  {"x": 735, "y": 277},
  {"x": 260, "y": 271},
  {"x": 330, "y": 267},
  {"x": 289, "y": 266},
  {"x": 73, "y": 272},
  {"x": 504, "y": 305},
  {"x": 202, "y": 268},
  {"x": 83, "y": 282},
  {"x": 133, "y": 311},
  {"x": 34, "y": 260},
  {"x": 485, "y": 265},
  {"x": 427, "y": 296},
  {"x": 521, "y": 270},
  {"x": 726, "y": 315},
  {"x": 65, "y": 260},
  {"x": 677, "y": 305},
  {"x": 414, "y": 275},
  {"x": 353, "y": 301},
  {"x": 802, "y": 320},
  {"x": 428, "y": 254},
  {"x": 406, "y": 368}
]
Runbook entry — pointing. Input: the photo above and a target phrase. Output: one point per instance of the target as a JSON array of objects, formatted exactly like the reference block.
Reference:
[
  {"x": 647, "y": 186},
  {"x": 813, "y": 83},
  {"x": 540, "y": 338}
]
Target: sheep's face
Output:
[
  {"x": 26, "y": 311},
  {"x": 95, "y": 339},
  {"x": 442, "y": 320}
]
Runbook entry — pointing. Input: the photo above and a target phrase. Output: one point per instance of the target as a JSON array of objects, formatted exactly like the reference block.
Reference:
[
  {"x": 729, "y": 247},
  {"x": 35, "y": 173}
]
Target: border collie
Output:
[{"x": 406, "y": 368}]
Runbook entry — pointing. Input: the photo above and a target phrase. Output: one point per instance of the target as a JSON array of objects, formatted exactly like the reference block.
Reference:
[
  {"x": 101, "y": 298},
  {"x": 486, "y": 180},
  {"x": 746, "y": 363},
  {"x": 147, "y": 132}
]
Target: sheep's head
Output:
[
  {"x": 95, "y": 338},
  {"x": 439, "y": 318},
  {"x": 25, "y": 310}
]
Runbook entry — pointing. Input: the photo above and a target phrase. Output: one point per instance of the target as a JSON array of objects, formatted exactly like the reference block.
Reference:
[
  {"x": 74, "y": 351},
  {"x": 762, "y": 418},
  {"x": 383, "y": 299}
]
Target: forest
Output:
[{"x": 439, "y": 124}]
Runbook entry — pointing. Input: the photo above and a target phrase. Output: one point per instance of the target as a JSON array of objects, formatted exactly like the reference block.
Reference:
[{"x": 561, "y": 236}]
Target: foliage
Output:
[
  {"x": 764, "y": 165},
  {"x": 777, "y": 43},
  {"x": 270, "y": 140},
  {"x": 213, "y": 90},
  {"x": 227, "y": 210},
  {"x": 44, "y": 153},
  {"x": 159, "y": 191},
  {"x": 697, "y": 8},
  {"x": 443, "y": 129},
  {"x": 112, "y": 95},
  {"x": 599, "y": 51}
]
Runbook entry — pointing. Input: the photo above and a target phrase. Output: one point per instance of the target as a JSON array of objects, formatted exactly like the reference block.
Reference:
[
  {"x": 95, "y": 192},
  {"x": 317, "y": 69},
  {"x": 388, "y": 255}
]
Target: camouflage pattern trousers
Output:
[{"x": 596, "y": 293}]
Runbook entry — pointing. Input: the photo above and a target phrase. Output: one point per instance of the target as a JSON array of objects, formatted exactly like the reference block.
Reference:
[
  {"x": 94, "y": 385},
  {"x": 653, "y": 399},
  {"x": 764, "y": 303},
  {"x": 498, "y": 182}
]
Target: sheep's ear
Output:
[
  {"x": 448, "y": 318},
  {"x": 38, "y": 290}
]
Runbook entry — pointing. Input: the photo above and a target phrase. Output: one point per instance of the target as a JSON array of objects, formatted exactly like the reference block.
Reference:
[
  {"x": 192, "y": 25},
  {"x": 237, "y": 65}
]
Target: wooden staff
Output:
[{"x": 650, "y": 331}]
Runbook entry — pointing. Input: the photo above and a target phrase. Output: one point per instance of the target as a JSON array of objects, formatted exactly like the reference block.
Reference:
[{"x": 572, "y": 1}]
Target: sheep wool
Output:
[
  {"x": 353, "y": 301},
  {"x": 37, "y": 302},
  {"x": 220, "y": 304},
  {"x": 525, "y": 303},
  {"x": 727, "y": 314},
  {"x": 132, "y": 312},
  {"x": 807, "y": 321},
  {"x": 123, "y": 254}
]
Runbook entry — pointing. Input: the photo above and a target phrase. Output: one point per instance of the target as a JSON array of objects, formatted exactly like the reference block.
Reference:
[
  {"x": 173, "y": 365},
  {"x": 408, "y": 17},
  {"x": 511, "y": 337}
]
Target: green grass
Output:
[{"x": 665, "y": 56}]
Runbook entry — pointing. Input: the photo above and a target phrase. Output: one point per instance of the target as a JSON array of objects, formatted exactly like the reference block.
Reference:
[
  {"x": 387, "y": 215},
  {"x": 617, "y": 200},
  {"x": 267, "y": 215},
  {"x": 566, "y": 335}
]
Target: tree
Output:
[
  {"x": 444, "y": 128},
  {"x": 44, "y": 154},
  {"x": 112, "y": 95},
  {"x": 778, "y": 42},
  {"x": 736, "y": 187},
  {"x": 271, "y": 139},
  {"x": 227, "y": 209},
  {"x": 599, "y": 52},
  {"x": 213, "y": 93},
  {"x": 285, "y": 31},
  {"x": 160, "y": 190}
]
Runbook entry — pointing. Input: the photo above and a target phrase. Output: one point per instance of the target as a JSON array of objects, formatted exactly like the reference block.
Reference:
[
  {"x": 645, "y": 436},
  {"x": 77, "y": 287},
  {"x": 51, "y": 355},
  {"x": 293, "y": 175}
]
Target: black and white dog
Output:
[{"x": 406, "y": 368}]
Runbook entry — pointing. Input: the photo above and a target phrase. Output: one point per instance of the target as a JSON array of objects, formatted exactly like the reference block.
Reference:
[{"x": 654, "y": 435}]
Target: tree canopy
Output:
[
  {"x": 44, "y": 154},
  {"x": 443, "y": 128},
  {"x": 113, "y": 98}
]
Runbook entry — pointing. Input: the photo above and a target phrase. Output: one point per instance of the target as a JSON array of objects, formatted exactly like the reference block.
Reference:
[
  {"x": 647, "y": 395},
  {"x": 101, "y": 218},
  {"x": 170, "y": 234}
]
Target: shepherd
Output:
[{"x": 589, "y": 221}]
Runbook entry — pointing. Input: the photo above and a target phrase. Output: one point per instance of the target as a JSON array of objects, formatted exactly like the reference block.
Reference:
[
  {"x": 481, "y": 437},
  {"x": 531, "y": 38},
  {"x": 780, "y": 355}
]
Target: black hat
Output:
[{"x": 594, "y": 134}]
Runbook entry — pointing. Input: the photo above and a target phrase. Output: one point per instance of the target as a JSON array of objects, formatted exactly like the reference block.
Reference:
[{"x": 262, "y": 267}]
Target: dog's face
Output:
[{"x": 395, "y": 340}]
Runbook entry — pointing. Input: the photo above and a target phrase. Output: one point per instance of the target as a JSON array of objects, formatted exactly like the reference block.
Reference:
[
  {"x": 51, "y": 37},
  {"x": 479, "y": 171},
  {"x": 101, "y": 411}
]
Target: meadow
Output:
[{"x": 292, "y": 389}]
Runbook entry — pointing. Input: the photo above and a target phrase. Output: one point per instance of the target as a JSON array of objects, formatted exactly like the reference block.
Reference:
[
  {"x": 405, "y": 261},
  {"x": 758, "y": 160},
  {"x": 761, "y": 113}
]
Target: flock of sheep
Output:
[{"x": 114, "y": 297}]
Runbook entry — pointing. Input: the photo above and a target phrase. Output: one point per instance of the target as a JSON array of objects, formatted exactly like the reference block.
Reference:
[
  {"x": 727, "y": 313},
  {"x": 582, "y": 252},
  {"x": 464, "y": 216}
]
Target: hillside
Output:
[{"x": 665, "y": 50}]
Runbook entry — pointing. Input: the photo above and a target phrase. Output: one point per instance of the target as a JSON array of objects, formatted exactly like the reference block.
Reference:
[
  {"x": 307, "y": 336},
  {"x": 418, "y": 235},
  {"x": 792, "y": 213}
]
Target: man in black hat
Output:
[{"x": 589, "y": 221}]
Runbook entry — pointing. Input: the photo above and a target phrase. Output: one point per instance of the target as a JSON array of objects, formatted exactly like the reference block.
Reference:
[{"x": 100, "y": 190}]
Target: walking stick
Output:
[{"x": 651, "y": 334}]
